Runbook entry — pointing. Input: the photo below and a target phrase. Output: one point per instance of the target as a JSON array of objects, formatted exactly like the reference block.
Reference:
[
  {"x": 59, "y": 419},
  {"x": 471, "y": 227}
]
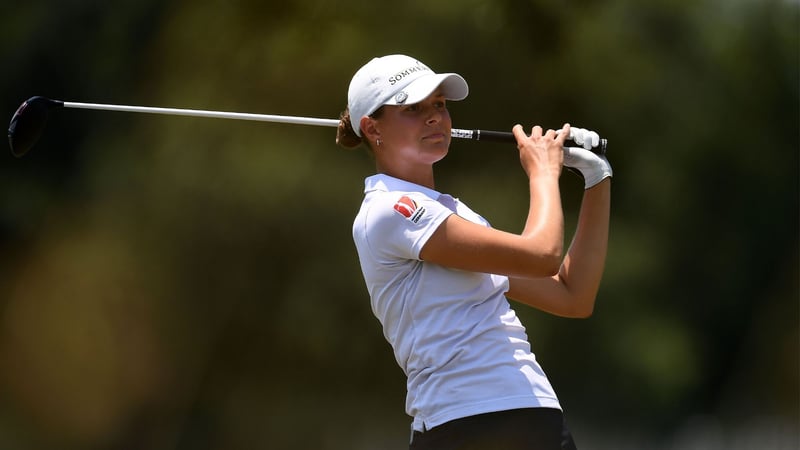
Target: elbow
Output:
[
  {"x": 552, "y": 264},
  {"x": 539, "y": 266},
  {"x": 584, "y": 312},
  {"x": 582, "y": 308},
  {"x": 542, "y": 259},
  {"x": 548, "y": 262}
]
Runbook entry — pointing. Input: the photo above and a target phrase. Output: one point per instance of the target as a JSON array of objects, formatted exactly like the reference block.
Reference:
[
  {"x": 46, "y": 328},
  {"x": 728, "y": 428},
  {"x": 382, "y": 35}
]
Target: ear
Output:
[{"x": 369, "y": 129}]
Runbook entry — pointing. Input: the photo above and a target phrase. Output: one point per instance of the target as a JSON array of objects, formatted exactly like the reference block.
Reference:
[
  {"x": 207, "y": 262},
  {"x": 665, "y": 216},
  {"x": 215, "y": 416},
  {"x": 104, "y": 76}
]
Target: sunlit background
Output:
[{"x": 184, "y": 283}]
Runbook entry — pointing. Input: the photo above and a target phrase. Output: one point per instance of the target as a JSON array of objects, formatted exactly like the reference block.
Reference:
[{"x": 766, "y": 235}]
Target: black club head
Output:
[{"x": 28, "y": 123}]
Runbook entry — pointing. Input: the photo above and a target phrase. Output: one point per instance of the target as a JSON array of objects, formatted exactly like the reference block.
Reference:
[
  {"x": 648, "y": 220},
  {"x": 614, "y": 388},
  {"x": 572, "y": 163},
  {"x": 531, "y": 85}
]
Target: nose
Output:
[{"x": 434, "y": 117}]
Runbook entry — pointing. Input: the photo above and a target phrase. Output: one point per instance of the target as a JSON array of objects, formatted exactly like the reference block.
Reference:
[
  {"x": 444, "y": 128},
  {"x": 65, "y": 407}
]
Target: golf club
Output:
[{"x": 28, "y": 122}]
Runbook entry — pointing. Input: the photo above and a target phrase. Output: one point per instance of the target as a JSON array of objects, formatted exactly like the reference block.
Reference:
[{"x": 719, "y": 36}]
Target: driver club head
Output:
[{"x": 28, "y": 123}]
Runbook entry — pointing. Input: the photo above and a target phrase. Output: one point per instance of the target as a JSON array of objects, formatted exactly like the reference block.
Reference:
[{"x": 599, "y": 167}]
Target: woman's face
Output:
[{"x": 417, "y": 133}]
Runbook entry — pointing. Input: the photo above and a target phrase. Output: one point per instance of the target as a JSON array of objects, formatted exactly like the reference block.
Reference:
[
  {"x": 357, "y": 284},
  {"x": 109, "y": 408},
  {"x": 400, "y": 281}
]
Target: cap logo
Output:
[
  {"x": 401, "y": 97},
  {"x": 394, "y": 79}
]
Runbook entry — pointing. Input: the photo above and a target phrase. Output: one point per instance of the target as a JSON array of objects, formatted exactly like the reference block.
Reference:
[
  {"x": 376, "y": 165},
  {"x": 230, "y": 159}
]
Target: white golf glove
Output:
[
  {"x": 586, "y": 138},
  {"x": 594, "y": 168}
]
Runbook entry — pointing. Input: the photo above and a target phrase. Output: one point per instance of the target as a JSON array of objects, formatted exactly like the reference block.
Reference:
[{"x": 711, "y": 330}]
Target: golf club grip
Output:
[{"x": 508, "y": 137}]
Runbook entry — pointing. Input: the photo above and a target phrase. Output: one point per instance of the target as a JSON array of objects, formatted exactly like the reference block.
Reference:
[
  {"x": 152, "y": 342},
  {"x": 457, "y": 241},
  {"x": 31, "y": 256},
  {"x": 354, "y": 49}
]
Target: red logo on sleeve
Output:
[
  {"x": 409, "y": 209},
  {"x": 405, "y": 206}
]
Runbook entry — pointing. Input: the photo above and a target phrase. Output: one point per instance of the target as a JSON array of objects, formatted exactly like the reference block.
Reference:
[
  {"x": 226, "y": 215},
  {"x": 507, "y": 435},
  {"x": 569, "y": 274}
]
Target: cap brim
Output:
[{"x": 453, "y": 86}]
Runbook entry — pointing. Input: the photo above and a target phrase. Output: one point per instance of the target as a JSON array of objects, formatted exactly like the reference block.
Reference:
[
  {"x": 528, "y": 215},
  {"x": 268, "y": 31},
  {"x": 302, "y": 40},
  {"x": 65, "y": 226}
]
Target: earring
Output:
[{"x": 378, "y": 142}]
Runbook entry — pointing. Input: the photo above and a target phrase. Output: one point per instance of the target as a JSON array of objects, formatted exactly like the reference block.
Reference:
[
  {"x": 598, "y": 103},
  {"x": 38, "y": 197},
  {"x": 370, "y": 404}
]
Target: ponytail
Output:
[{"x": 345, "y": 135}]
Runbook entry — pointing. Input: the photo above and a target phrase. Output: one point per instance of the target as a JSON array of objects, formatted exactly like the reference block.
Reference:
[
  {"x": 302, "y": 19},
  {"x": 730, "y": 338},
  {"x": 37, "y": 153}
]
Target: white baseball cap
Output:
[{"x": 397, "y": 80}]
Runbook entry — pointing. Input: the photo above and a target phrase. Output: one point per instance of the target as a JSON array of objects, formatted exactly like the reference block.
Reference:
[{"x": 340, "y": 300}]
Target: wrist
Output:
[{"x": 596, "y": 174}]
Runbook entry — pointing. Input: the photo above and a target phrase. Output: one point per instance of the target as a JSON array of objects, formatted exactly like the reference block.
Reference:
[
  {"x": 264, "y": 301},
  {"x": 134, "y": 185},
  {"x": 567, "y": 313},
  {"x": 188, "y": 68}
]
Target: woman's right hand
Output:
[{"x": 541, "y": 154}]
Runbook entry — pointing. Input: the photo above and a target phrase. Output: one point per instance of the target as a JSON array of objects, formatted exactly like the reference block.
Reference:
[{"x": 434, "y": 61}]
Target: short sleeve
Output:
[{"x": 399, "y": 224}]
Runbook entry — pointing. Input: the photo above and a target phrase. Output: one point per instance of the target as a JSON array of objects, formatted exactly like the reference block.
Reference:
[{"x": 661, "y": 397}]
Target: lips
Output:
[{"x": 434, "y": 137}]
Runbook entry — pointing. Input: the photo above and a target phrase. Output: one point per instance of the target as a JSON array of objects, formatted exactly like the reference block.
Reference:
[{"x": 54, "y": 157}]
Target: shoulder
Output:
[
  {"x": 401, "y": 208},
  {"x": 397, "y": 222}
]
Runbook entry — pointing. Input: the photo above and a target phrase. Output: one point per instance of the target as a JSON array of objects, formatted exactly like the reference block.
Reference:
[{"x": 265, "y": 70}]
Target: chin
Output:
[{"x": 441, "y": 154}]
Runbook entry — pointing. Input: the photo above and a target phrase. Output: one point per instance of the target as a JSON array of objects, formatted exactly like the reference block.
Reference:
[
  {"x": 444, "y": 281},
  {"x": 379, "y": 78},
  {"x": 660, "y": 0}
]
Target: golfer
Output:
[{"x": 439, "y": 275}]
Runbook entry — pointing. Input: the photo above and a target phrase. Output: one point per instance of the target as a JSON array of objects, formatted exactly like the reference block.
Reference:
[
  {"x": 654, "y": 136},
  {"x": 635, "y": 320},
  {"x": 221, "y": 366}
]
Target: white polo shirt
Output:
[{"x": 454, "y": 334}]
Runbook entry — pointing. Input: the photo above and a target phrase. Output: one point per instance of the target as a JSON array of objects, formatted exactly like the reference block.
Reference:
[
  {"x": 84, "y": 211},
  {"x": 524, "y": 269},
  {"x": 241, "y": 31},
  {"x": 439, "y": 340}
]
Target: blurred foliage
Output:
[{"x": 176, "y": 283}]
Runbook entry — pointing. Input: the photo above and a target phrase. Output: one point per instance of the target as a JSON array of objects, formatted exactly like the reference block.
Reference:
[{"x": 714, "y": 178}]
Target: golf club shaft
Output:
[
  {"x": 204, "y": 113},
  {"x": 477, "y": 135}
]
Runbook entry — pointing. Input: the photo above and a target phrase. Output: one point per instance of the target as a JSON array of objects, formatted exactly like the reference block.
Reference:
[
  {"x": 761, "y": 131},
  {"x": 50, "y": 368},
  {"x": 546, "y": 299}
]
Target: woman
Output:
[{"x": 438, "y": 275}]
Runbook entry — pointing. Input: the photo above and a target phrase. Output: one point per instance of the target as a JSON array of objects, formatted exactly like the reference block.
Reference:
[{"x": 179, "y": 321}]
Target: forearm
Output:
[
  {"x": 583, "y": 265},
  {"x": 545, "y": 221}
]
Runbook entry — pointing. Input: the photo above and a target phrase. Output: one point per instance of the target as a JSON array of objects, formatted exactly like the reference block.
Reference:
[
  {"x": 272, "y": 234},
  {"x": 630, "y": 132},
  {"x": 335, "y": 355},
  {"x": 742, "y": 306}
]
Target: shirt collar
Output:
[{"x": 383, "y": 182}]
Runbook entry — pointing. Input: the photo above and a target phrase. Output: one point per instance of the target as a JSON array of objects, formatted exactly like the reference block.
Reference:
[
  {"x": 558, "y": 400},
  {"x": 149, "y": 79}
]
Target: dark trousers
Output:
[{"x": 518, "y": 429}]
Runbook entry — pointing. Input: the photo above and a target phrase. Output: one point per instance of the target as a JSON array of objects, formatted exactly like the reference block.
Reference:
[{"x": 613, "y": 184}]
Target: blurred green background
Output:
[{"x": 184, "y": 283}]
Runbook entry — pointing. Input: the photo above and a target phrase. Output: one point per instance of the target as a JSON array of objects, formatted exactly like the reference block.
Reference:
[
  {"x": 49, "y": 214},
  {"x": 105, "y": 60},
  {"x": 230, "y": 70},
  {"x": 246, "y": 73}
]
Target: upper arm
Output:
[{"x": 461, "y": 244}]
